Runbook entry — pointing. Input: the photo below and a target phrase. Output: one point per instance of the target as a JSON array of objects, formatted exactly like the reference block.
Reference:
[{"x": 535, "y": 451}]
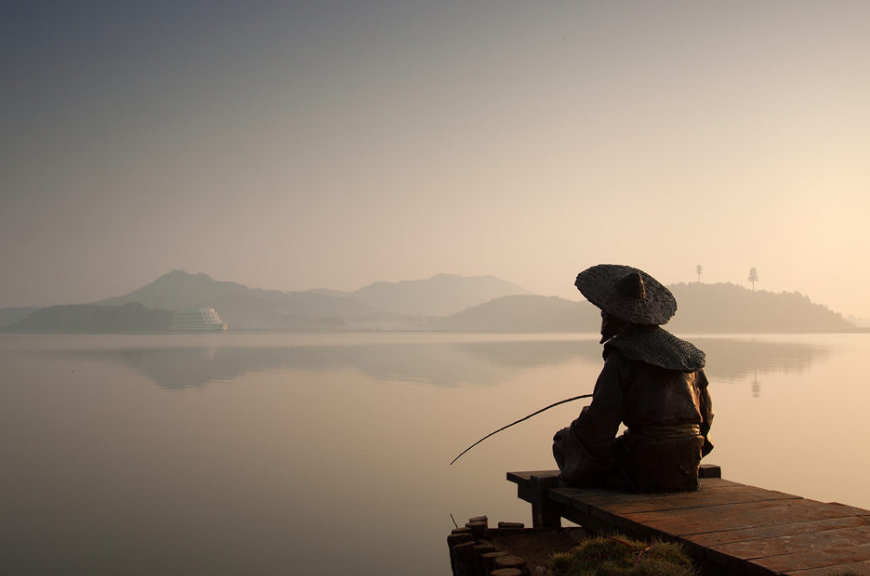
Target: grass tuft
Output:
[{"x": 619, "y": 556}]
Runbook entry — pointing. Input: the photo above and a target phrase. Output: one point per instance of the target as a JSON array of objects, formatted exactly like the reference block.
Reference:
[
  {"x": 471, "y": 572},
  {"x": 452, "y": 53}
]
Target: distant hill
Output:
[
  {"x": 526, "y": 313},
  {"x": 440, "y": 295},
  {"x": 9, "y": 316},
  {"x": 131, "y": 317},
  {"x": 381, "y": 306},
  {"x": 178, "y": 290},
  {"x": 329, "y": 292},
  {"x": 444, "y": 302},
  {"x": 702, "y": 308},
  {"x": 726, "y": 307},
  {"x": 244, "y": 308}
]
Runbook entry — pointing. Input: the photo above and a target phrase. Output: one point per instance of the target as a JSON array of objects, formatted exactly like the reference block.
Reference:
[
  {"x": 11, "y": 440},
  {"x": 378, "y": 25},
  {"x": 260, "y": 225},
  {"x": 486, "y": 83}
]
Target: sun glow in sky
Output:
[{"x": 333, "y": 144}]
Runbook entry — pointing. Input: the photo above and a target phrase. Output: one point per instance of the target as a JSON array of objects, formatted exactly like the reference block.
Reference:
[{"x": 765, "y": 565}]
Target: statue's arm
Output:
[
  {"x": 706, "y": 408},
  {"x": 598, "y": 423}
]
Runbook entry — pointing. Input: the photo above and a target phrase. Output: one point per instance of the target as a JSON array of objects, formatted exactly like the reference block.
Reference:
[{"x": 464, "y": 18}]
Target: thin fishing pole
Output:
[{"x": 518, "y": 421}]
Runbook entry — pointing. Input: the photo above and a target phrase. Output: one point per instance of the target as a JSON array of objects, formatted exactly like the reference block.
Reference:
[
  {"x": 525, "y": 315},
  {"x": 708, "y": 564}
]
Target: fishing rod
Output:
[{"x": 518, "y": 421}]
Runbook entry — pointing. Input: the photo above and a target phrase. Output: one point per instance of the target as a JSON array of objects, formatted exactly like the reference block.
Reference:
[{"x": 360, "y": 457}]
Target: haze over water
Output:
[{"x": 277, "y": 454}]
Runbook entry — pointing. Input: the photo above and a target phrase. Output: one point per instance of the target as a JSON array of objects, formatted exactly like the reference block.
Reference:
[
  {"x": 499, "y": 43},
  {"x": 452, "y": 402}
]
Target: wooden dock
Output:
[{"x": 727, "y": 527}]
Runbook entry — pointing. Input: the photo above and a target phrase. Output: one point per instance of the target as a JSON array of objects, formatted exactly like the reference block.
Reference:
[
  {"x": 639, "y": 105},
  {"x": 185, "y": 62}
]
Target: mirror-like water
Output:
[{"x": 288, "y": 454}]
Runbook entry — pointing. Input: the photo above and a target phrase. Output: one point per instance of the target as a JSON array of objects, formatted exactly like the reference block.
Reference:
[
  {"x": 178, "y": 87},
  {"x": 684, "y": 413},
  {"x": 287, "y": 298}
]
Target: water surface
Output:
[{"x": 328, "y": 454}]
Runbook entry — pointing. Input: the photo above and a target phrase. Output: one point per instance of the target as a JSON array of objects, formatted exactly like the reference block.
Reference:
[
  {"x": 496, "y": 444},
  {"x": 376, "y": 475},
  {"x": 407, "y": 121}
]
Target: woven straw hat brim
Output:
[{"x": 599, "y": 285}]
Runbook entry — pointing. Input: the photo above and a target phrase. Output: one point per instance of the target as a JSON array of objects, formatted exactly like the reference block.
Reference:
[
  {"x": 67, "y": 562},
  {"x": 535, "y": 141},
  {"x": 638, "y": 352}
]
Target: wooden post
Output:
[
  {"x": 515, "y": 562},
  {"x": 489, "y": 558},
  {"x": 479, "y": 563},
  {"x": 456, "y": 538},
  {"x": 463, "y": 559},
  {"x": 545, "y": 514},
  {"x": 709, "y": 471},
  {"x": 478, "y": 526}
]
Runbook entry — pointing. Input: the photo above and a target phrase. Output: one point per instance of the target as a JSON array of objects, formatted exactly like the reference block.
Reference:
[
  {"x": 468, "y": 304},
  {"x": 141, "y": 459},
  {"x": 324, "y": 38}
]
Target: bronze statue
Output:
[{"x": 652, "y": 381}]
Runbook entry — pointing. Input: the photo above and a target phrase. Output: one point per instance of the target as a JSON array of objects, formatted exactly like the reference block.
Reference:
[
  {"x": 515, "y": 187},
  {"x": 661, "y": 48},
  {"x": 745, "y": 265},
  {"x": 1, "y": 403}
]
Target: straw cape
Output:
[
  {"x": 628, "y": 293},
  {"x": 655, "y": 345}
]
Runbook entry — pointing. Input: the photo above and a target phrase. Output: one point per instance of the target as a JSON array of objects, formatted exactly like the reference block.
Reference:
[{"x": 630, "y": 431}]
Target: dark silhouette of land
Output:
[
  {"x": 9, "y": 316},
  {"x": 441, "y": 303},
  {"x": 726, "y": 307},
  {"x": 440, "y": 295},
  {"x": 131, "y": 317},
  {"x": 524, "y": 314}
]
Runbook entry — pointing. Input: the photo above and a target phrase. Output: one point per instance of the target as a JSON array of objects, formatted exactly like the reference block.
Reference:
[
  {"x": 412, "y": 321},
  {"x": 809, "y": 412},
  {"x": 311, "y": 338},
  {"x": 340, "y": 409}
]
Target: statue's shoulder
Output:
[{"x": 655, "y": 345}]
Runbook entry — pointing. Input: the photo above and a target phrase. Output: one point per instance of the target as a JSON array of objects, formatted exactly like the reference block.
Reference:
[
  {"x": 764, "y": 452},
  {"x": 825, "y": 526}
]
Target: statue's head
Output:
[{"x": 627, "y": 295}]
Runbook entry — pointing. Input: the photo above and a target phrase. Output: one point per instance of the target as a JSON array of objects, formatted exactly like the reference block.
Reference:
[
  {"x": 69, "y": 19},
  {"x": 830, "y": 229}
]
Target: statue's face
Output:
[{"x": 610, "y": 326}]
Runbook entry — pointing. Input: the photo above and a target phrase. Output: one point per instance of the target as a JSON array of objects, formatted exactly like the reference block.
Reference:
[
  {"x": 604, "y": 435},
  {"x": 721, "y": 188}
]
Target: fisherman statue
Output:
[{"x": 652, "y": 381}]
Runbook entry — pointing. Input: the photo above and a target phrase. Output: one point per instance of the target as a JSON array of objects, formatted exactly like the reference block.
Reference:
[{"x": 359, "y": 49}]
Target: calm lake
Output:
[{"x": 226, "y": 454}]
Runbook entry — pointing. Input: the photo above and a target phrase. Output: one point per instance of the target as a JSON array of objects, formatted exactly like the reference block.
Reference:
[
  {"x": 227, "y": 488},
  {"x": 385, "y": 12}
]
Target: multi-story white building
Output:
[{"x": 200, "y": 319}]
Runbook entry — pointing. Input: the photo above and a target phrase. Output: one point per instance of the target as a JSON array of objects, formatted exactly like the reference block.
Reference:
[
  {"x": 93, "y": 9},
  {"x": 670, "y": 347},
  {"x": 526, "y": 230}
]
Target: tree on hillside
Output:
[
  {"x": 699, "y": 270},
  {"x": 753, "y": 277}
]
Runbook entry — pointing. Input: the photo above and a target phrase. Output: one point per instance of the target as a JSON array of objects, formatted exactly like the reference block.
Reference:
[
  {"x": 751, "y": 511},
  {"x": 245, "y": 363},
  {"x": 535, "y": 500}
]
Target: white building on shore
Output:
[{"x": 200, "y": 319}]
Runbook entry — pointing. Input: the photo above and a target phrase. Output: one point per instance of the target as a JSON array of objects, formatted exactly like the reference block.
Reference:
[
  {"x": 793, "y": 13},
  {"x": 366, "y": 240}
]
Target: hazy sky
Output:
[{"x": 292, "y": 145}]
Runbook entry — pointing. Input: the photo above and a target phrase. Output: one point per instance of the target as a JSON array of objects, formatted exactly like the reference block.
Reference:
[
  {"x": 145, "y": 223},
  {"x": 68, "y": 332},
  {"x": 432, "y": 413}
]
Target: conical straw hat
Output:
[{"x": 628, "y": 293}]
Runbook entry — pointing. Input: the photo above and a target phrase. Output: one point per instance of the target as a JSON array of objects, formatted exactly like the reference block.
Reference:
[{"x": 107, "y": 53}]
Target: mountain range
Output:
[
  {"x": 444, "y": 302},
  {"x": 244, "y": 308}
]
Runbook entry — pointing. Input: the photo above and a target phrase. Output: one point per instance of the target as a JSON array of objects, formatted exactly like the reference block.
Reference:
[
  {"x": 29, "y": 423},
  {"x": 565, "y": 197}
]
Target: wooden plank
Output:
[
  {"x": 807, "y": 559},
  {"x": 708, "y": 486},
  {"x": 787, "y": 552},
  {"x": 610, "y": 499},
  {"x": 779, "y": 545},
  {"x": 671, "y": 502},
  {"x": 737, "y": 516},
  {"x": 603, "y": 496},
  {"x": 856, "y": 568},
  {"x": 525, "y": 477},
  {"x": 616, "y": 495},
  {"x": 712, "y": 539}
]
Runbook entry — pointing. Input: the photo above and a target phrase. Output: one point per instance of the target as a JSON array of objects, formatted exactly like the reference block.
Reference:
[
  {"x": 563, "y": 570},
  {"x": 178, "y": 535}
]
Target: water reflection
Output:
[
  {"x": 738, "y": 360},
  {"x": 435, "y": 363},
  {"x": 258, "y": 476}
]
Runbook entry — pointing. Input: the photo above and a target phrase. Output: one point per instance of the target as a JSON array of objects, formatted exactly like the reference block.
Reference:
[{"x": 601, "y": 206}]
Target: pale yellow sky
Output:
[{"x": 335, "y": 145}]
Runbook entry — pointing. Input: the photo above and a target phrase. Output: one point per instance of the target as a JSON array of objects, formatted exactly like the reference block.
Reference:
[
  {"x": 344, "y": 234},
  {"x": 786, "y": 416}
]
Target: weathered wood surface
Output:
[{"x": 729, "y": 528}]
